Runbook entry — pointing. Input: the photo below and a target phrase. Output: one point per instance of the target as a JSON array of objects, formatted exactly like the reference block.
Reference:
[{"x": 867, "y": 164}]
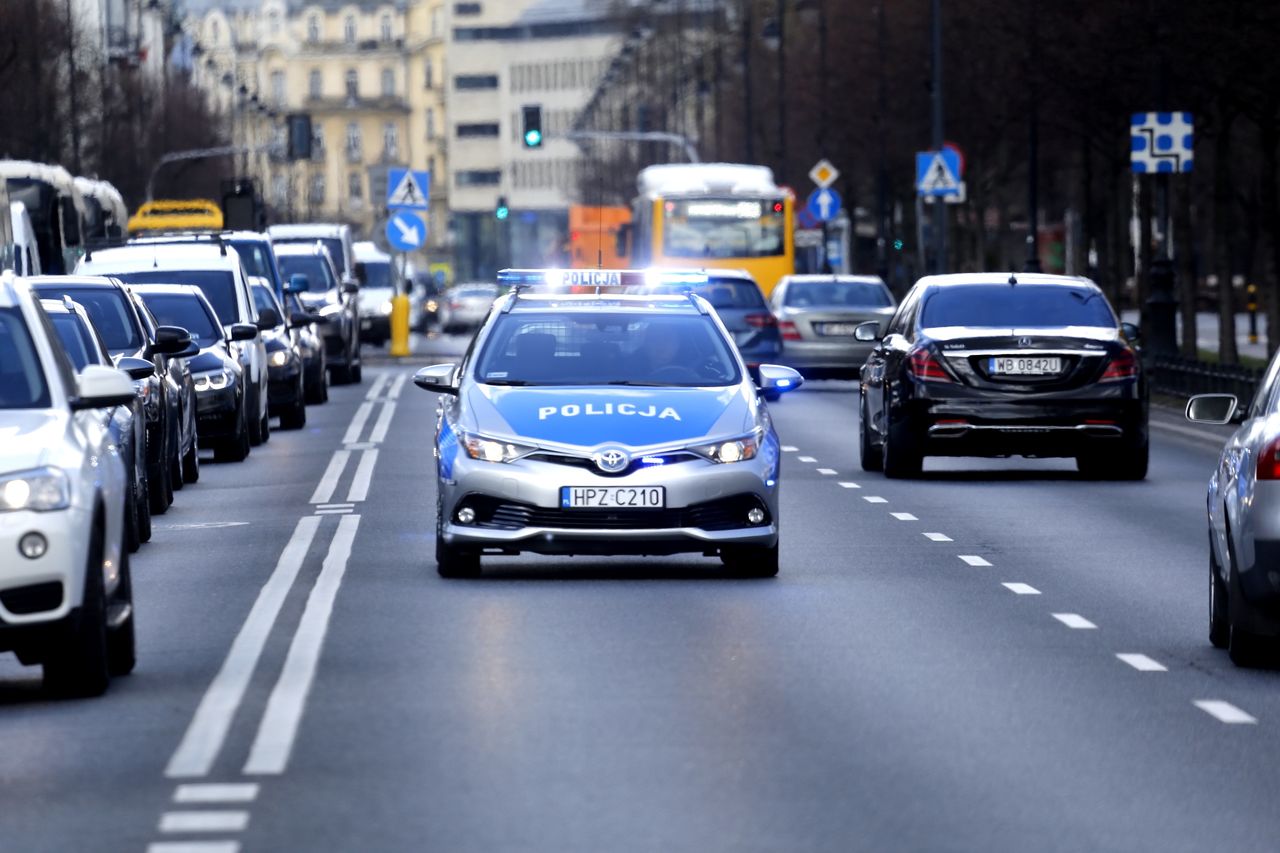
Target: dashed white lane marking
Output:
[
  {"x": 938, "y": 537},
  {"x": 329, "y": 482},
  {"x": 341, "y": 511},
  {"x": 396, "y": 387},
  {"x": 874, "y": 499},
  {"x": 336, "y": 506},
  {"x": 357, "y": 423},
  {"x": 279, "y": 727},
  {"x": 973, "y": 560},
  {"x": 208, "y": 730},
  {"x": 239, "y": 792},
  {"x": 850, "y": 486},
  {"x": 1225, "y": 712},
  {"x": 1021, "y": 588},
  {"x": 805, "y": 459},
  {"x": 1142, "y": 663},
  {"x": 204, "y": 821},
  {"x": 787, "y": 448},
  {"x": 380, "y": 428},
  {"x": 364, "y": 476},
  {"x": 194, "y": 847},
  {"x": 1074, "y": 620},
  {"x": 830, "y": 472},
  {"x": 904, "y": 516},
  {"x": 375, "y": 390}
]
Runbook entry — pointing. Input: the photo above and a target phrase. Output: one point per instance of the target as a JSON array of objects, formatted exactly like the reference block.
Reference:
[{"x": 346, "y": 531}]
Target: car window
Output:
[
  {"x": 555, "y": 348},
  {"x": 720, "y": 292},
  {"x": 22, "y": 380},
  {"x": 108, "y": 308},
  {"x": 1016, "y": 306},
  {"x": 903, "y": 318},
  {"x": 186, "y": 311},
  {"x": 374, "y": 274},
  {"x": 254, "y": 258},
  {"x": 836, "y": 294},
  {"x": 263, "y": 299},
  {"x": 74, "y": 340},
  {"x": 218, "y": 286},
  {"x": 334, "y": 246},
  {"x": 319, "y": 274}
]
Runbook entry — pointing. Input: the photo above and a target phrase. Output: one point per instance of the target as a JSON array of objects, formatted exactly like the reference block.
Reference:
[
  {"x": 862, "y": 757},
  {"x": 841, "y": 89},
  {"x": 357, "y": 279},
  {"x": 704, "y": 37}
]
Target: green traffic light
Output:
[
  {"x": 502, "y": 213},
  {"x": 533, "y": 138},
  {"x": 897, "y": 245}
]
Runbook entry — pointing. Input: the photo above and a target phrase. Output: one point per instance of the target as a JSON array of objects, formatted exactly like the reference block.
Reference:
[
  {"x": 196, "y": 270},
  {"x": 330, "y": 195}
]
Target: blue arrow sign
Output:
[
  {"x": 823, "y": 204},
  {"x": 408, "y": 189},
  {"x": 406, "y": 231}
]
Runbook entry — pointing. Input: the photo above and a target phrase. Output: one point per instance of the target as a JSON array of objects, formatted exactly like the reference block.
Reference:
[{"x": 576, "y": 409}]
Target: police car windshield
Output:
[{"x": 591, "y": 348}]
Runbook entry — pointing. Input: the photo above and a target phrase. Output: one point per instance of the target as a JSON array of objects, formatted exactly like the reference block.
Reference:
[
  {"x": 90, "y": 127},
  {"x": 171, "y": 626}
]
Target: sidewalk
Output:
[{"x": 1207, "y": 332}]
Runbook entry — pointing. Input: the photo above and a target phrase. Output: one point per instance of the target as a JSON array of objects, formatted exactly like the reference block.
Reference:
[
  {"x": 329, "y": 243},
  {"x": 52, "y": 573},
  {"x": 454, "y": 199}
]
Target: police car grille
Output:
[
  {"x": 722, "y": 514},
  {"x": 586, "y": 463}
]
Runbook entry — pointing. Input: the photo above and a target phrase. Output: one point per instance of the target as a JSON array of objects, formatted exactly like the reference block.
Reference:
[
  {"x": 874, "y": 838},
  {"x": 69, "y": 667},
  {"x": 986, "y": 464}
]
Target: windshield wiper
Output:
[
  {"x": 639, "y": 383},
  {"x": 511, "y": 383}
]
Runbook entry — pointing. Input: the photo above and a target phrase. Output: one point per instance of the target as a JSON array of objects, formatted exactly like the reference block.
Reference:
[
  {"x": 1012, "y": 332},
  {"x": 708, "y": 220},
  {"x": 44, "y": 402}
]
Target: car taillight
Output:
[
  {"x": 1269, "y": 461},
  {"x": 1122, "y": 366},
  {"x": 924, "y": 365},
  {"x": 760, "y": 321},
  {"x": 789, "y": 331}
]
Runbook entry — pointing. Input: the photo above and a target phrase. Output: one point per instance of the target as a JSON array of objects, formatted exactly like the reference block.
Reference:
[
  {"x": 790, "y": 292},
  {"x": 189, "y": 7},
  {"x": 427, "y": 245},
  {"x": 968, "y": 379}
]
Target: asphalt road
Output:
[{"x": 937, "y": 667}]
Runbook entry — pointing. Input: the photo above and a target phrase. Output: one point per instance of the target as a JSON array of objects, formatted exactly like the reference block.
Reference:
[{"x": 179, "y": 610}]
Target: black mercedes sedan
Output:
[{"x": 1004, "y": 364}]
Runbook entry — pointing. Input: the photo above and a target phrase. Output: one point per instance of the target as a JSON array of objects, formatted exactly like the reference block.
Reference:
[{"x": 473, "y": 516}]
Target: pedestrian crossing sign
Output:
[
  {"x": 408, "y": 189},
  {"x": 937, "y": 172}
]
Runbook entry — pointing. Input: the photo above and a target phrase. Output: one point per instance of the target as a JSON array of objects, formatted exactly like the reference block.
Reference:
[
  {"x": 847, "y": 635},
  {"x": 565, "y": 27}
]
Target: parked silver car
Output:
[{"x": 817, "y": 315}]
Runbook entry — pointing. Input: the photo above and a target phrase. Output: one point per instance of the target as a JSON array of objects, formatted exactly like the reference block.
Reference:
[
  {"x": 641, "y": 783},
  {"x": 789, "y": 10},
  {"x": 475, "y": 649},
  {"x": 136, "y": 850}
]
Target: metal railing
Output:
[{"x": 1183, "y": 377}]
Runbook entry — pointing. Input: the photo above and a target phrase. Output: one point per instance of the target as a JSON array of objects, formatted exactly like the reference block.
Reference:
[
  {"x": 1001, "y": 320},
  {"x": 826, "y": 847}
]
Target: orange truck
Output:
[{"x": 593, "y": 237}]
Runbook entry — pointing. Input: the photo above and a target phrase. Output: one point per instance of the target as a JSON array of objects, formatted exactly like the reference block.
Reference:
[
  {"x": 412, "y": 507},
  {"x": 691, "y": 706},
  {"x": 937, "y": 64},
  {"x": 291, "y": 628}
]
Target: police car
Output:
[{"x": 588, "y": 420}]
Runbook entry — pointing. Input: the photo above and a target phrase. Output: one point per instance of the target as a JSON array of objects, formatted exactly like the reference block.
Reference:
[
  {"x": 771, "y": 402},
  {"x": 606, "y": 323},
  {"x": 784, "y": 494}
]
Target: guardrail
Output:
[{"x": 1183, "y": 377}]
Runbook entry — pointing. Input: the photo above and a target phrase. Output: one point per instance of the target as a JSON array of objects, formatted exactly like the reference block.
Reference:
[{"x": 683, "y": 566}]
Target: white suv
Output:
[{"x": 66, "y": 600}]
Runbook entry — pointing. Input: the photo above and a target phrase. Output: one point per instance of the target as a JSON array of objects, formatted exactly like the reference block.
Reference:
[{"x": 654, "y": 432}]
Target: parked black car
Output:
[
  {"x": 311, "y": 274},
  {"x": 287, "y": 393}
]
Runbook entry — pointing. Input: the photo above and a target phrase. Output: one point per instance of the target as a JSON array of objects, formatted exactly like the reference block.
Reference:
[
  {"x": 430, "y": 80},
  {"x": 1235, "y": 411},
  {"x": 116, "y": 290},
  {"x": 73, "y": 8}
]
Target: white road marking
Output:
[
  {"x": 329, "y": 482},
  {"x": 1142, "y": 663},
  {"x": 203, "y": 740},
  {"x": 805, "y": 459},
  {"x": 342, "y": 511},
  {"x": 375, "y": 390},
  {"x": 279, "y": 726},
  {"x": 380, "y": 428},
  {"x": 874, "y": 499},
  {"x": 336, "y": 506},
  {"x": 904, "y": 516},
  {"x": 357, "y": 423},
  {"x": 1021, "y": 588},
  {"x": 397, "y": 387},
  {"x": 194, "y": 847},
  {"x": 202, "y": 525},
  {"x": 787, "y": 448},
  {"x": 850, "y": 486},
  {"x": 364, "y": 476},
  {"x": 241, "y": 792},
  {"x": 1074, "y": 620},
  {"x": 1225, "y": 712},
  {"x": 938, "y": 537},
  {"x": 973, "y": 560},
  {"x": 204, "y": 821},
  {"x": 828, "y": 471}
]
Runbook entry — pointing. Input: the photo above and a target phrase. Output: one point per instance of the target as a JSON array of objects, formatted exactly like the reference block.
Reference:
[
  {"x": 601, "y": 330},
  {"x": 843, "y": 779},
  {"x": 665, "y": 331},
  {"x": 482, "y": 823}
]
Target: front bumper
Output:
[
  {"x": 282, "y": 387},
  {"x": 518, "y": 509},
  {"x": 217, "y": 413},
  {"x": 36, "y": 594}
]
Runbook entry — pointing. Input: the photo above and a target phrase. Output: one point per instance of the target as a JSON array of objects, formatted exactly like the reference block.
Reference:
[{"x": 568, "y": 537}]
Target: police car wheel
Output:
[
  {"x": 751, "y": 561},
  {"x": 455, "y": 563}
]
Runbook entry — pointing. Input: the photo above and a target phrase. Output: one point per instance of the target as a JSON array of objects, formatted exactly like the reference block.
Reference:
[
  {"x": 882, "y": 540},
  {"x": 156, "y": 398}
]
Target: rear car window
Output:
[
  {"x": 171, "y": 309},
  {"x": 74, "y": 339},
  {"x": 722, "y": 293},
  {"x": 374, "y": 274},
  {"x": 108, "y": 308},
  {"x": 332, "y": 244},
  {"x": 1016, "y": 306},
  {"x": 836, "y": 294},
  {"x": 22, "y": 382},
  {"x": 218, "y": 286},
  {"x": 319, "y": 275}
]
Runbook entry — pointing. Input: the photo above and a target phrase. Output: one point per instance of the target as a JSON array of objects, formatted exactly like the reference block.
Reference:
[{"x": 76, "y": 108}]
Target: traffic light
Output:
[
  {"x": 533, "y": 126},
  {"x": 501, "y": 212}
]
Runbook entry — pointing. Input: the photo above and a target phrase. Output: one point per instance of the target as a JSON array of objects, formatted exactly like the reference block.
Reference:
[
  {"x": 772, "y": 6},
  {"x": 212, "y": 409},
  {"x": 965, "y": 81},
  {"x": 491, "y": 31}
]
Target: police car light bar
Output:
[{"x": 560, "y": 279}]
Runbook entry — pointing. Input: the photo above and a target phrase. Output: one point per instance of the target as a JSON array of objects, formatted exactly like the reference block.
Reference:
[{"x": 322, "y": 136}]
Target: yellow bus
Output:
[
  {"x": 717, "y": 216},
  {"x": 188, "y": 215}
]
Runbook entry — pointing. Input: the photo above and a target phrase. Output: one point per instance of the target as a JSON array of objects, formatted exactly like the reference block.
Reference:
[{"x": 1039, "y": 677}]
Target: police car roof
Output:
[{"x": 644, "y": 302}]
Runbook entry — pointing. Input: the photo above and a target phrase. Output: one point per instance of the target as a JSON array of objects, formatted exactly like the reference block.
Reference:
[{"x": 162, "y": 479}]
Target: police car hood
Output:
[{"x": 591, "y": 416}]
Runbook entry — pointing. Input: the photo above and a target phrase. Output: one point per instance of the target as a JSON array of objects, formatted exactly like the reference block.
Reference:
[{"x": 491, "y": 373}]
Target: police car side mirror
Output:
[
  {"x": 437, "y": 378},
  {"x": 774, "y": 379}
]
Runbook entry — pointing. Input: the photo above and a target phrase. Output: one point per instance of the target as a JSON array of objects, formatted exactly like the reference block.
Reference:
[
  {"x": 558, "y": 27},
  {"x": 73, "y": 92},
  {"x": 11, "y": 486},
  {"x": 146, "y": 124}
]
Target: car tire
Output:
[
  {"x": 264, "y": 428},
  {"x": 191, "y": 462},
  {"x": 296, "y": 415},
  {"x": 161, "y": 490},
  {"x": 122, "y": 646},
  {"x": 751, "y": 561},
  {"x": 132, "y": 541},
  {"x": 1127, "y": 463},
  {"x": 1243, "y": 647},
  {"x": 176, "y": 474},
  {"x": 872, "y": 457},
  {"x": 77, "y": 666},
  {"x": 255, "y": 425},
  {"x": 901, "y": 454},
  {"x": 453, "y": 562},
  {"x": 236, "y": 448},
  {"x": 144, "y": 511},
  {"x": 1219, "y": 607}
]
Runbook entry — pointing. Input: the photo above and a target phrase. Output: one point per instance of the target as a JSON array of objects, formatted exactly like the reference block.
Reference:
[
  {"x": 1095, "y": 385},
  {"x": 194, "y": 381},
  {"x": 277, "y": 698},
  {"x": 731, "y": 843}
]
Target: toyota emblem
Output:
[{"x": 611, "y": 460}]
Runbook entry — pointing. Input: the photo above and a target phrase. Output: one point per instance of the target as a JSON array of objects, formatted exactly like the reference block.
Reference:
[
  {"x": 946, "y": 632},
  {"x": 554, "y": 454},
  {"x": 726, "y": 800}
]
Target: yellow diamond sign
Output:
[{"x": 823, "y": 173}]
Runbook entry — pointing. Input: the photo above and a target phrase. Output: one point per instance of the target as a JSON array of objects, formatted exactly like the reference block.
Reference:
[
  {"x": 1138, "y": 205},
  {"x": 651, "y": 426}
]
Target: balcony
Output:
[{"x": 355, "y": 103}]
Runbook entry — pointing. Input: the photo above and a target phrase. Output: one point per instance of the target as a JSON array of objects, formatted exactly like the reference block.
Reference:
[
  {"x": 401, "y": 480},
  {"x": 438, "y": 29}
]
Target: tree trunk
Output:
[
  {"x": 1270, "y": 289},
  {"x": 1185, "y": 264},
  {"x": 1223, "y": 203}
]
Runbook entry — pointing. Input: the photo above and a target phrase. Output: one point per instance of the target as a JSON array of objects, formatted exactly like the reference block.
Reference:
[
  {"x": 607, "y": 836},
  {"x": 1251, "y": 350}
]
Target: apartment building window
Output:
[
  {"x": 316, "y": 195},
  {"x": 313, "y": 29},
  {"x": 273, "y": 22},
  {"x": 431, "y": 123},
  {"x": 390, "y": 141},
  {"x": 315, "y": 86},
  {"x": 349, "y": 29},
  {"x": 478, "y": 178},
  {"x": 464, "y": 10},
  {"x": 277, "y": 88},
  {"x": 317, "y": 143},
  {"x": 355, "y": 186},
  {"x": 385, "y": 27},
  {"x": 388, "y": 83},
  {"x": 431, "y": 74},
  {"x": 354, "y": 146},
  {"x": 436, "y": 28},
  {"x": 474, "y": 131},
  {"x": 353, "y": 83},
  {"x": 470, "y": 82}
]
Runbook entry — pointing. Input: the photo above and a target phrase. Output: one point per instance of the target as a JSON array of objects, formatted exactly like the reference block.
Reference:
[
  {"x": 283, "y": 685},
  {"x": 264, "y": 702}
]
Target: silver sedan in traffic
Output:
[{"x": 817, "y": 315}]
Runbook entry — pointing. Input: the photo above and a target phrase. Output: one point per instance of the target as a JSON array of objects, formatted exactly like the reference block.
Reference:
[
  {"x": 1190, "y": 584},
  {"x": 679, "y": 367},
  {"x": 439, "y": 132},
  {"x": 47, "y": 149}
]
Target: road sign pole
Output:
[{"x": 939, "y": 210}]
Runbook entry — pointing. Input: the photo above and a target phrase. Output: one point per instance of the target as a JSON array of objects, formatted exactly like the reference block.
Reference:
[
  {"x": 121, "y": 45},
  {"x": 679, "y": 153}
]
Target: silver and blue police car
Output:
[{"x": 587, "y": 420}]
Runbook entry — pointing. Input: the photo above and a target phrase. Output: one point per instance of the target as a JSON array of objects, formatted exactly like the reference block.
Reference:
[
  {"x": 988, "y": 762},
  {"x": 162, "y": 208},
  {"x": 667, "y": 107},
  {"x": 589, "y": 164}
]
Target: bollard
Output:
[
  {"x": 1252, "y": 305},
  {"x": 400, "y": 326}
]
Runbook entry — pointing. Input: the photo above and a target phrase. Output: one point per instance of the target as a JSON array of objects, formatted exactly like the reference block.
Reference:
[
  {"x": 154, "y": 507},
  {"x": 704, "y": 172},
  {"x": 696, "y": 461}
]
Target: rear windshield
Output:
[
  {"x": 109, "y": 309},
  {"x": 374, "y": 274},
  {"x": 75, "y": 340},
  {"x": 836, "y": 294},
  {"x": 721, "y": 293},
  {"x": 1016, "y": 306},
  {"x": 561, "y": 348},
  {"x": 218, "y": 286},
  {"x": 22, "y": 384},
  {"x": 255, "y": 259},
  {"x": 263, "y": 298},
  {"x": 319, "y": 274},
  {"x": 333, "y": 244},
  {"x": 171, "y": 309}
]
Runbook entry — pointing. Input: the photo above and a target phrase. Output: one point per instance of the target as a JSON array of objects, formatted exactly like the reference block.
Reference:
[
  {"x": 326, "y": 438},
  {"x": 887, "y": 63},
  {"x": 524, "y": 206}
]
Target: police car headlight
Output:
[
  {"x": 279, "y": 358},
  {"x": 213, "y": 380},
  {"x": 493, "y": 450},
  {"x": 736, "y": 450},
  {"x": 40, "y": 490}
]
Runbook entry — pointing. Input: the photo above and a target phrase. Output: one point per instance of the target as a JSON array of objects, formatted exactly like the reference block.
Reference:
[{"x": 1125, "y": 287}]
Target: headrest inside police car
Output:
[{"x": 561, "y": 279}]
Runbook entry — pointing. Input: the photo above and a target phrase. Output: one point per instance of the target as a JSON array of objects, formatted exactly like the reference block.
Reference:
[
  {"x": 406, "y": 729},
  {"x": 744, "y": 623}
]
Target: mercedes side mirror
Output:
[
  {"x": 437, "y": 377},
  {"x": 242, "y": 332},
  {"x": 170, "y": 340},
  {"x": 137, "y": 368},
  {"x": 867, "y": 333},
  {"x": 1213, "y": 408}
]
